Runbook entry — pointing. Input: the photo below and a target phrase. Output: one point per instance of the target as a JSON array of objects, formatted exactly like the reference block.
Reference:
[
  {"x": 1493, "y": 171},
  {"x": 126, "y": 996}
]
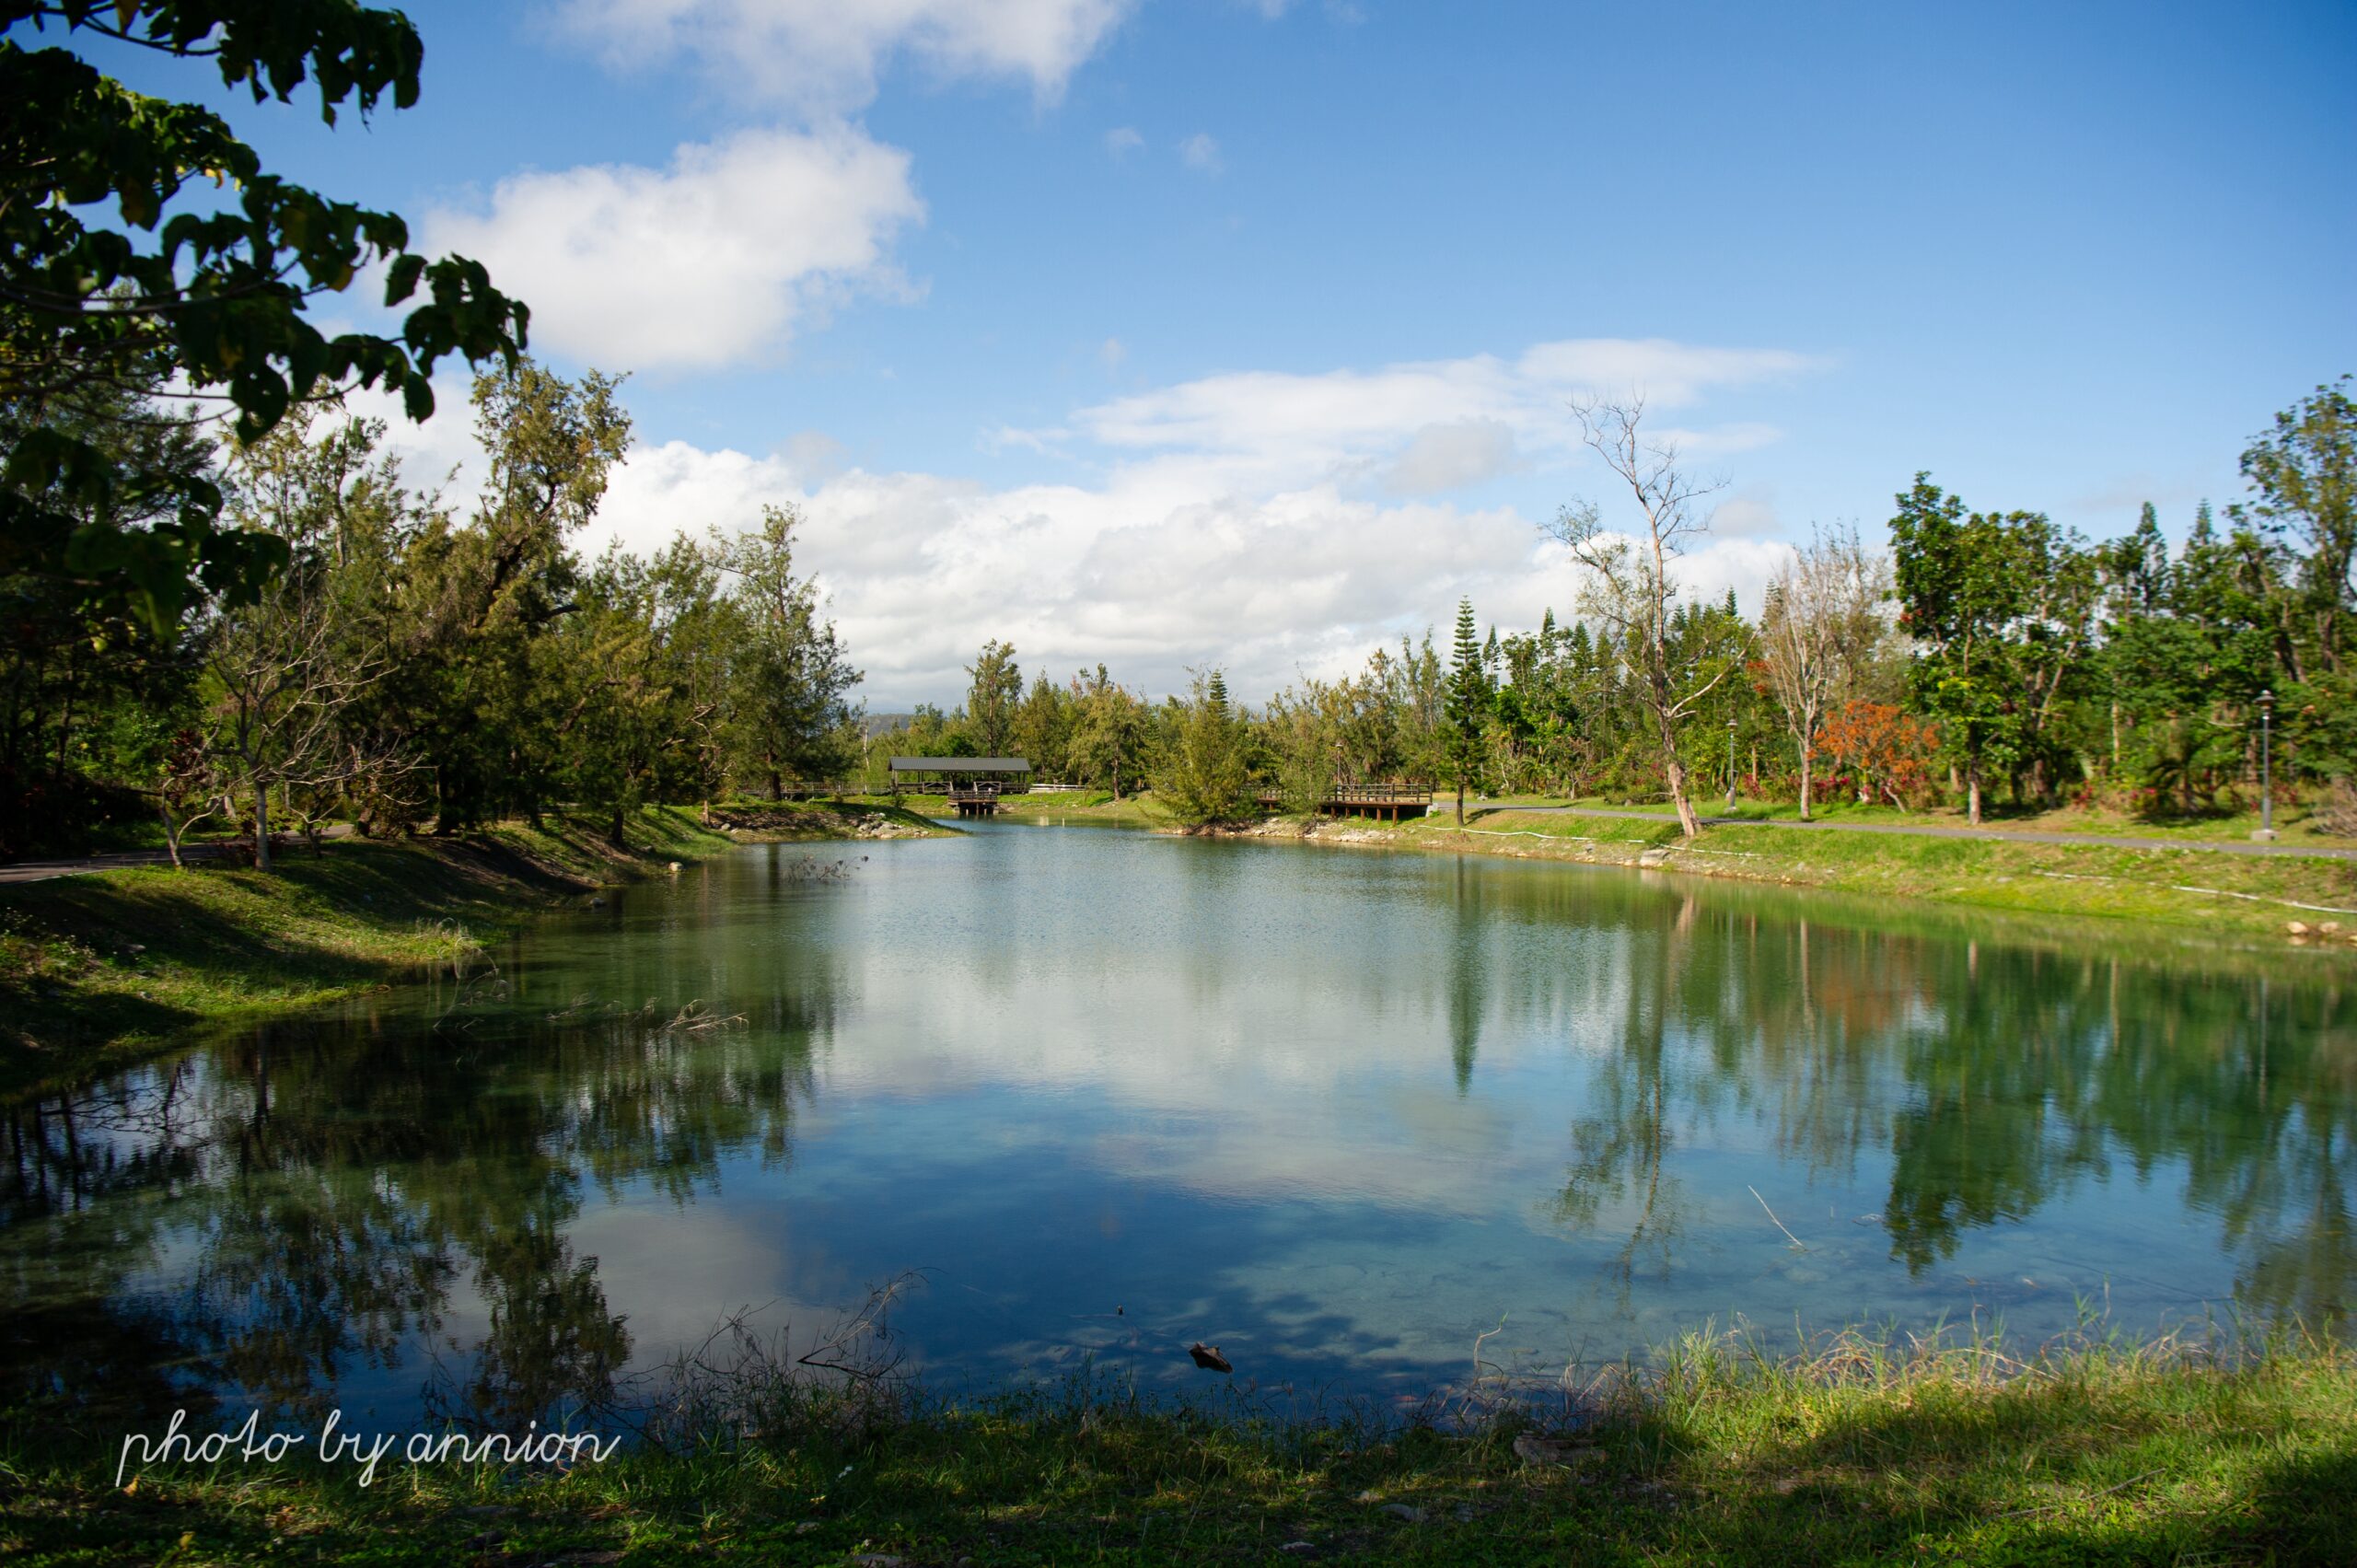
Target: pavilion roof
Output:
[{"x": 961, "y": 765}]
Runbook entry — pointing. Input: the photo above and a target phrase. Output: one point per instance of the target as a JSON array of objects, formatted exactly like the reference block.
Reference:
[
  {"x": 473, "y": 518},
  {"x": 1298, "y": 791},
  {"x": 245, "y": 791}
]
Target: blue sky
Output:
[{"x": 1184, "y": 331}]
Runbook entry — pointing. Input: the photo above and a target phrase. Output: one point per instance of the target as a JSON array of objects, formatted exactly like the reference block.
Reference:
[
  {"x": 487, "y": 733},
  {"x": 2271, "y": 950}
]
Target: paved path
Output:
[
  {"x": 42, "y": 870},
  {"x": 2025, "y": 835}
]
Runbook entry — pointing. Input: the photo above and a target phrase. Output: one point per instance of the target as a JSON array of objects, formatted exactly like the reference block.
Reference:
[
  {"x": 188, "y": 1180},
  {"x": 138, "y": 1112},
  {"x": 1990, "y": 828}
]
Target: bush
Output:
[
  {"x": 62, "y": 813},
  {"x": 2337, "y": 812}
]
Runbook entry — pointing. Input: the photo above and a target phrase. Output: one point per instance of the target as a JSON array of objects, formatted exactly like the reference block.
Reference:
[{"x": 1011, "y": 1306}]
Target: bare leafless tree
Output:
[
  {"x": 1631, "y": 584},
  {"x": 1821, "y": 623}
]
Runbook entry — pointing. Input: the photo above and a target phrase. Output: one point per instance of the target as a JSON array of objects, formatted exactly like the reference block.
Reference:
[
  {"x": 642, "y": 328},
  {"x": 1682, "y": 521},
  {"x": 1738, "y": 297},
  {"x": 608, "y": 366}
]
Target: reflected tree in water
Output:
[
  {"x": 332, "y": 1188},
  {"x": 1469, "y": 978}
]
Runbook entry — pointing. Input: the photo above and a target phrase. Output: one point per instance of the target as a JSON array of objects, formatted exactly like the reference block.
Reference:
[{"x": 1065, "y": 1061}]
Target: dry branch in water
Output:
[
  {"x": 747, "y": 1385},
  {"x": 696, "y": 1018}
]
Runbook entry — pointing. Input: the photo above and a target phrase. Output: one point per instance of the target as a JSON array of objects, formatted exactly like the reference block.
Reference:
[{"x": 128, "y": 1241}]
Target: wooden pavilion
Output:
[{"x": 974, "y": 783}]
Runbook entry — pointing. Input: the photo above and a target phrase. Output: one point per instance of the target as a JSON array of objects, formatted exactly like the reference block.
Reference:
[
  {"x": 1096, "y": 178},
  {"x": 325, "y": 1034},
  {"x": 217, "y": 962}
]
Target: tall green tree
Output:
[
  {"x": 1468, "y": 708},
  {"x": 115, "y": 274},
  {"x": 790, "y": 708},
  {"x": 482, "y": 593},
  {"x": 1203, "y": 778},
  {"x": 1959, "y": 580},
  {"x": 1109, "y": 733},
  {"x": 2304, "y": 477},
  {"x": 2187, "y": 646},
  {"x": 993, "y": 697},
  {"x": 93, "y": 697},
  {"x": 1043, "y": 727}
]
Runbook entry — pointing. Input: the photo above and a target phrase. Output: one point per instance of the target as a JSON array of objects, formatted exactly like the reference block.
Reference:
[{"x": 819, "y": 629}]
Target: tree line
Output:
[
  {"x": 412, "y": 662},
  {"x": 228, "y": 606},
  {"x": 1979, "y": 656}
]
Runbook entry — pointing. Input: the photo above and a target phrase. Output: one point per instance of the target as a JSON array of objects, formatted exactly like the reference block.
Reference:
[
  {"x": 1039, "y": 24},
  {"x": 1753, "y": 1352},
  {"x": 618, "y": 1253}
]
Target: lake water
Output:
[{"x": 1336, "y": 1111}]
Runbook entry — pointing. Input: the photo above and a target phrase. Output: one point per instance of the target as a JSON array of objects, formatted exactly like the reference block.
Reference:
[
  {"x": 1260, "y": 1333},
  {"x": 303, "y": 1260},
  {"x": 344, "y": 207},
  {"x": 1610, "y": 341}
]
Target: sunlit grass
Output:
[
  {"x": 97, "y": 968},
  {"x": 2294, "y": 821},
  {"x": 2249, "y": 897},
  {"x": 1862, "y": 1447}
]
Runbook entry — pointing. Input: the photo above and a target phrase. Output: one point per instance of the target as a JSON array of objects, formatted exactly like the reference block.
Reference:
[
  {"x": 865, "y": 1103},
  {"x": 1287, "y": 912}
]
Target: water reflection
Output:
[{"x": 1342, "y": 1108}]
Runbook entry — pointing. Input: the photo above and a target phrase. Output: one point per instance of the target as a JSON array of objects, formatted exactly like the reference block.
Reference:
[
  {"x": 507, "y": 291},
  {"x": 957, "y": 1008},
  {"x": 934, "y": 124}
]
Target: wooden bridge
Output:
[
  {"x": 974, "y": 799},
  {"x": 1392, "y": 800},
  {"x": 975, "y": 783}
]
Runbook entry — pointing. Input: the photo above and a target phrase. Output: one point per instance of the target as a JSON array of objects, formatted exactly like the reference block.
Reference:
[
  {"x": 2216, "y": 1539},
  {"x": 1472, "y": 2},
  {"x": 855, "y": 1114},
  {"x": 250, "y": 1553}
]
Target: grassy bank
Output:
[
  {"x": 2295, "y": 822},
  {"x": 787, "y": 821},
  {"x": 2249, "y": 897},
  {"x": 1856, "y": 1452},
  {"x": 98, "y": 968},
  {"x": 1069, "y": 806}
]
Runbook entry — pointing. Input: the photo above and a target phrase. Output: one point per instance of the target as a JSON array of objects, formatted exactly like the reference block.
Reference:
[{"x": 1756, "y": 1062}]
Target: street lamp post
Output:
[
  {"x": 1730, "y": 765},
  {"x": 2265, "y": 764}
]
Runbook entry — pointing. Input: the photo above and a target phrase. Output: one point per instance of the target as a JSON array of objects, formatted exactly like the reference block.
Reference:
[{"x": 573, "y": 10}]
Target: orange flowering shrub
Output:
[{"x": 1880, "y": 751}]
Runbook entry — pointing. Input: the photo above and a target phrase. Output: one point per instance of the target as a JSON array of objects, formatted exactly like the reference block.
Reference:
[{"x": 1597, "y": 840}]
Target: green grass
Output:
[
  {"x": 96, "y": 970},
  {"x": 1062, "y": 806},
  {"x": 1864, "y": 1449},
  {"x": 787, "y": 821},
  {"x": 2208, "y": 894},
  {"x": 2294, "y": 821}
]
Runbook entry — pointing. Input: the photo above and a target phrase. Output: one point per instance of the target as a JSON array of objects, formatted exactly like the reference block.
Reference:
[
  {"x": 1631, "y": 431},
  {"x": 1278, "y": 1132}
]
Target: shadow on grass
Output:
[
  {"x": 2194, "y": 1469},
  {"x": 143, "y": 954}
]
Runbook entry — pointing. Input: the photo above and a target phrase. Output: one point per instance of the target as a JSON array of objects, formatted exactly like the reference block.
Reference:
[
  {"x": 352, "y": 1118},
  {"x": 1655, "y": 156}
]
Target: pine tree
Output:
[
  {"x": 1465, "y": 705},
  {"x": 1202, "y": 779}
]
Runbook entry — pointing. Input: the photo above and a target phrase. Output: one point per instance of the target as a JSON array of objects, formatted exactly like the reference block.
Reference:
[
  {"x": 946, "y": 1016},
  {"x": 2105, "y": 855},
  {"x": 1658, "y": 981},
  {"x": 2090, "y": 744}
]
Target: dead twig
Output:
[{"x": 1795, "y": 1240}]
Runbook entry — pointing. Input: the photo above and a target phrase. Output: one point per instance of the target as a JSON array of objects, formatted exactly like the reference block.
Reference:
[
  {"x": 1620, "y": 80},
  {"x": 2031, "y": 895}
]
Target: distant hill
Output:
[{"x": 872, "y": 725}]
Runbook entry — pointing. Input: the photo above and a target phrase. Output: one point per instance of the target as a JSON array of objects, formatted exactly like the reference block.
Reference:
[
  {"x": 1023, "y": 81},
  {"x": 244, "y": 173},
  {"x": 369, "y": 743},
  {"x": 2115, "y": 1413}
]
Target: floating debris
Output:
[
  {"x": 1209, "y": 1358},
  {"x": 696, "y": 1018}
]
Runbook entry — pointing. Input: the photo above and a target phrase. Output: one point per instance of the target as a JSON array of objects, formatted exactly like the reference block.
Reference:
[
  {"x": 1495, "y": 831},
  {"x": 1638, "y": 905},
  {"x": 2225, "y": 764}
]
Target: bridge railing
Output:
[
  {"x": 814, "y": 789},
  {"x": 1358, "y": 795}
]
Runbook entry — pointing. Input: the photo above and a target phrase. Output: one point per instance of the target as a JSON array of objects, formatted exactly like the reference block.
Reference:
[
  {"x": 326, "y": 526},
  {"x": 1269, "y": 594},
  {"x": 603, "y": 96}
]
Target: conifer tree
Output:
[{"x": 1464, "y": 707}]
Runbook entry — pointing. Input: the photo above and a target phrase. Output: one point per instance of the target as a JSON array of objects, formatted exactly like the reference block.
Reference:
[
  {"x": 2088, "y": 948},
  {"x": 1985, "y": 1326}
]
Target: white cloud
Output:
[
  {"x": 1123, "y": 139},
  {"x": 2128, "y": 494},
  {"x": 814, "y": 454},
  {"x": 1273, "y": 524},
  {"x": 1201, "y": 536},
  {"x": 823, "y": 57},
  {"x": 1668, "y": 375},
  {"x": 1287, "y": 428},
  {"x": 1749, "y": 511},
  {"x": 1451, "y": 456},
  {"x": 1200, "y": 153},
  {"x": 440, "y": 455},
  {"x": 1111, "y": 353},
  {"x": 714, "y": 258},
  {"x": 709, "y": 260}
]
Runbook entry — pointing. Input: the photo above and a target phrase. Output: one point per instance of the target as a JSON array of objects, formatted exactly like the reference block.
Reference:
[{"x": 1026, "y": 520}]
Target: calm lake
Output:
[{"x": 1336, "y": 1111}]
